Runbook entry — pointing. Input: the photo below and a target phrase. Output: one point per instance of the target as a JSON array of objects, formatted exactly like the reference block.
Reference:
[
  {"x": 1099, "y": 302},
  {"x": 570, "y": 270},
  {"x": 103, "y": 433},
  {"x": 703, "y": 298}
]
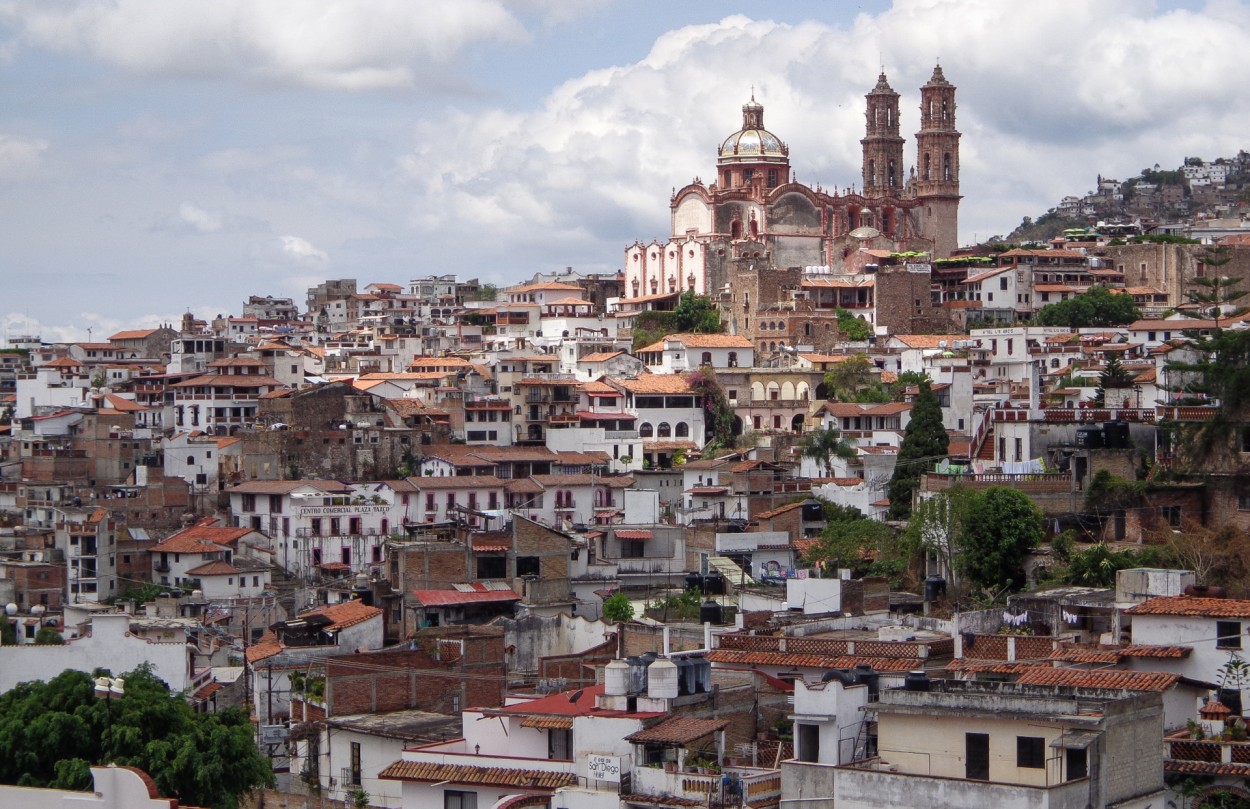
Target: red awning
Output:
[{"x": 634, "y": 534}]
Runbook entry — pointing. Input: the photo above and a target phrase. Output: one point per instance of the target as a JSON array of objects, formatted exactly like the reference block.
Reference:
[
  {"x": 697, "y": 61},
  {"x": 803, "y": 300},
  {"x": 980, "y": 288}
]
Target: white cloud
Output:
[
  {"x": 339, "y": 44},
  {"x": 1050, "y": 94},
  {"x": 302, "y": 250},
  {"x": 20, "y": 156},
  {"x": 200, "y": 219}
]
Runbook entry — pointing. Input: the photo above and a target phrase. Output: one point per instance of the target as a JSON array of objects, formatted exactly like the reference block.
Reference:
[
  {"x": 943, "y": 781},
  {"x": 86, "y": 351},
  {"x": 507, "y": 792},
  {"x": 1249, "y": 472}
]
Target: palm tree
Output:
[{"x": 823, "y": 445}]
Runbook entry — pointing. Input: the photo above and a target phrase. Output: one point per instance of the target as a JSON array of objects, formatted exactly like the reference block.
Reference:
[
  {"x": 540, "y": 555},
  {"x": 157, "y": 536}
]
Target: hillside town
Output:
[{"x": 805, "y": 506}]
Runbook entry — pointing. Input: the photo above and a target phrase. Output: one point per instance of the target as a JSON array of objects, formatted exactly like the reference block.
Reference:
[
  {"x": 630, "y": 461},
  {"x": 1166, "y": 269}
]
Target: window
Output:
[
  {"x": 249, "y": 503},
  {"x": 355, "y": 764},
  {"x": 1002, "y": 283},
  {"x": 631, "y": 549},
  {"x": 527, "y": 566},
  {"x": 1228, "y": 634},
  {"x": 707, "y": 358},
  {"x": 1031, "y": 752},
  {"x": 1243, "y": 502},
  {"x": 455, "y": 799},
  {"x": 1077, "y": 763},
  {"x": 492, "y": 567},
  {"x": 1172, "y": 514}
]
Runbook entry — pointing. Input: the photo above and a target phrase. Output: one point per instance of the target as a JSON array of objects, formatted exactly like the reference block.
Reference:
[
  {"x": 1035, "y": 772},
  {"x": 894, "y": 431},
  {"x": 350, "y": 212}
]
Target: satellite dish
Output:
[{"x": 576, "y": 695}]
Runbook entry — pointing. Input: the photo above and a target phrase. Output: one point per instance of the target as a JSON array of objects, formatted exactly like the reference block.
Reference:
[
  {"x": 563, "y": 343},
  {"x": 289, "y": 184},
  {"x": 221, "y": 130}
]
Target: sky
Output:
[{"x": 163, "y": 156}]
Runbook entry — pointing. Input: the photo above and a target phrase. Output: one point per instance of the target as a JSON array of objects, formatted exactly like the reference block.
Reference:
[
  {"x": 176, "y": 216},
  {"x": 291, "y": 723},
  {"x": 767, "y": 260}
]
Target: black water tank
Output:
[
  {"x": 714, "y": 584},
  {"x": 813, "y": 511},
  {"x": 1089, "y": 437},
  {"x": 365, "y": 595},
  {"x": 1115, "y": 434},
  {"x": 934, "y": 588},
  {"x": 916, "y": 681},
  {"x": 869, "y": 678},
  {"x": 842, "y": 676},
  {"x": 694, "y": 581},
  {"x": 711, "y": 613},
  {"x": 687, "y": 676}
]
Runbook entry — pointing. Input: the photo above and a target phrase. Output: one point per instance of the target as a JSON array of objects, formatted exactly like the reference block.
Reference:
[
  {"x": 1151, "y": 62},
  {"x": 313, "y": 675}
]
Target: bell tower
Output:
[
  {"x": 937, "y": 165},
  {"x": 883, "y": 146}
]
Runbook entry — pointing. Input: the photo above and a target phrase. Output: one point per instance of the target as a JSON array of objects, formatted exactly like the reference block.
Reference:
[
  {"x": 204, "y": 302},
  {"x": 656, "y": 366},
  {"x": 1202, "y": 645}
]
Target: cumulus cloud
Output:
[
  {"x": 303, "y": 251},
  {"x": 20, "y": 156},
  {"x": 339, "y": 44},
  {"x": 595, "y": 163}
]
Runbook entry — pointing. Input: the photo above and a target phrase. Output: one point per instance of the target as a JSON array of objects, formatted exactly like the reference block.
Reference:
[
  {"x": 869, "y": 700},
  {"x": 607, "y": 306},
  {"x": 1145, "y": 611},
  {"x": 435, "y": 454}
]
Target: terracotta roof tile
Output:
[
  {"x": 1103, "y": 678},
  {"x": 1205, "y": 768},
  {"x": 216, "y": 567},
  {"x": 1163, "y": 652},
  {"x": 1193, "y": 605},
  {"x": 677, "y": 730},
  {"x": 428, "y": 772},
  {"x": 655, "y": 383},
  {"x": 345, "y": 614},
  {"x": 548, "y": 722},
  {"x": 734, "y": 656}
]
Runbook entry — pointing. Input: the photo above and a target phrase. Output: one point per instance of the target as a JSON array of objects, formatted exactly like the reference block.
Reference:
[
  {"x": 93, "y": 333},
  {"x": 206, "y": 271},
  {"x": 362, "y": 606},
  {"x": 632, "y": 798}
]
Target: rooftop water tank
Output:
[
  {"x": 616, "y": 678},
  {"x": 662, "y": 680}
]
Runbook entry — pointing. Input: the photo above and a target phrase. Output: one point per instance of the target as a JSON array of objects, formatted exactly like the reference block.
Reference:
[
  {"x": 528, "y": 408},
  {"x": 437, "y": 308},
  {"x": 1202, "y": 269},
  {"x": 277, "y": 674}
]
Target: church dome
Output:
[{"x": 753, "y": 141}]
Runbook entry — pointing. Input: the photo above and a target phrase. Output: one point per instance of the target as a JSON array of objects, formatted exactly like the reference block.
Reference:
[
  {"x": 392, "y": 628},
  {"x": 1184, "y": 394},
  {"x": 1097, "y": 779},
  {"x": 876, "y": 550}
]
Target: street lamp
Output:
[{"x": 108, "y": 689}]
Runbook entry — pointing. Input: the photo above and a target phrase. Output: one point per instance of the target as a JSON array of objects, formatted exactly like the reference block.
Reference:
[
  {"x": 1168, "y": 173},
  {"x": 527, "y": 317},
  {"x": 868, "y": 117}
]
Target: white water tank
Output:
[
  {"x": 662, "y": 679},
  {"x": 616, "y": 678}
]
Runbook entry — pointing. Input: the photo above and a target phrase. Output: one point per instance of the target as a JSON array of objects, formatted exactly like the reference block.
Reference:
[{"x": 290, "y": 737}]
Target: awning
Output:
[
  {"x": 548, "y": 722},
  {"x": 634, "y": 534},
  {"x": 1075, "y": 740}
]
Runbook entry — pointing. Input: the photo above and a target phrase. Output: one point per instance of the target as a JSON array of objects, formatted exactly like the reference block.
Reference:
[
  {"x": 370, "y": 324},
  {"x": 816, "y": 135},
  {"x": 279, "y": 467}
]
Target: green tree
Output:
[
  {"x": 822, "y": 446},
  {"x": 487, "y": 292},
  {"x": 1217, "y": 294},
  {"x": 8, "y": 634},
  {"x": 853, "y": 328},
  {"x": 938, "y": 526},
  {"x": 851, "y": 544},
  {"x": 47, "y": 636},
  {"x": 718, "y": 415},
  {"x": 1220, "y": 375},
  {"x": 1095, "y": 307},
  {"x": 925, "y": 442},
  {"x": 696, "y": 314},
  {"x": 1002, "y": 526},
  {"x": 1114, "y": 376},
  {"x": 52, "y": 732},
  {"x": 855, "y": 379},
  {"x": 617, "y": 609}
]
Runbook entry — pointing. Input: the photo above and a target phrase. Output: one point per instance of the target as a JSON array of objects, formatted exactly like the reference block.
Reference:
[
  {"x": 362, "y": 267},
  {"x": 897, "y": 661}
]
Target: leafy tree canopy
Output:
[
  {"x": 823, "y": 445},
  {"x": 52, "y": 732},
  {"x": 1096, "y": 307},
  {"x": 856, "y": 329},
  {"x": 855, "y": 379},
  {"x": 617, "y": 608},
  {"x": 718, "y": 415},
  {"x": 1221, "y": 375},
  {"x": 1002, "y": 526},
  {"x": 696, "y": 313}
]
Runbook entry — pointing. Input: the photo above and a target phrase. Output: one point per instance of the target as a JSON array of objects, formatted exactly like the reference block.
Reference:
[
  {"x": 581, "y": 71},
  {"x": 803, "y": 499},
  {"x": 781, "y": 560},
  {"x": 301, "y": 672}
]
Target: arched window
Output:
[
  {"x": 707, "y": 358},
  {"x": 927, "y": 173},
  {"x": 772, "y": 346},
  {"x": 645, "y": 430},
  {"x": 190, "y": 460},
  {"x": 946, "y": 166},
  {"x": 683, "y": 430},
  {"x": 665, "y": 430},
  {"x": 872, "y": 172},
  {"x": 735, "y": 230}
]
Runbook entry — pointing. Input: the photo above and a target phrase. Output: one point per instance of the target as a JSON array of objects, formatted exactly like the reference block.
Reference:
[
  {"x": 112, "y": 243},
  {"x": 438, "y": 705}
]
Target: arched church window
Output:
[
  {"x": 928, "y": 170},
  {"x": 891, "y": 175},
  {"x": 945, "y": 110},
  {"x": 735, "y": 229},
  {"x": 946, "y": 166}
]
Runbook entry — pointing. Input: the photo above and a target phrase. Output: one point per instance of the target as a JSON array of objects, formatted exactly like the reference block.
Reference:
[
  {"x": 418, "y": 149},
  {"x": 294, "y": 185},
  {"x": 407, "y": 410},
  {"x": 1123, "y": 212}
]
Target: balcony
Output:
[
  {"x": 748, "y": 786},
  {"x": 161, "y": 567}
]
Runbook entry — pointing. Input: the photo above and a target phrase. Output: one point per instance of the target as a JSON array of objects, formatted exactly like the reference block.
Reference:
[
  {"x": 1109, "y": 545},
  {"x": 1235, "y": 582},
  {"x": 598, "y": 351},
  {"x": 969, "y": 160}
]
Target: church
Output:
[{"x": 755, "y": 227}]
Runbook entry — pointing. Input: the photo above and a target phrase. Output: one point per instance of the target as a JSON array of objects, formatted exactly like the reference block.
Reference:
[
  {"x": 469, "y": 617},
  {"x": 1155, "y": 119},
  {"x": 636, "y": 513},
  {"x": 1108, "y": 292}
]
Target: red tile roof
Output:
[
  {"x": 345, "y": 614},
  {"x": 1103, "y": 678},
  {"x": 482, "y": 776},
  {"x": 734, "y": 656},
  {"x": 629, "y": 534},
  {"x": 216, "y": 567},
  {"x": 1193, "y": 605},
  {"x": 677, "y": 730}
]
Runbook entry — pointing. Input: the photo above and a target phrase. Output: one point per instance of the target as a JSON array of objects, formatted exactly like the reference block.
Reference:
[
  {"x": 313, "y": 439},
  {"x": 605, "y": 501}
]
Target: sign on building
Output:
[{"x": 604, "y": 768}]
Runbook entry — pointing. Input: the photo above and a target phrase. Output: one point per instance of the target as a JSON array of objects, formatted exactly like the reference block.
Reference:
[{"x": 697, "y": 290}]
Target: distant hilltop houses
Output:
[{"x": 691, "y": 533}]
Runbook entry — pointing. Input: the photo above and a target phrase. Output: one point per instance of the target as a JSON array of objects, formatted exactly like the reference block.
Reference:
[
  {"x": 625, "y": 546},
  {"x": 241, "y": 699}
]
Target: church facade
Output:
[{"x": 756, "y": 220}]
